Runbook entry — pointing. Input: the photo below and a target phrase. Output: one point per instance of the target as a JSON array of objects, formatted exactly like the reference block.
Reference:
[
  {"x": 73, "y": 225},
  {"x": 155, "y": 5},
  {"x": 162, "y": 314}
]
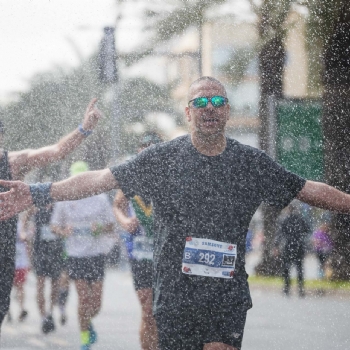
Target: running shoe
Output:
[
  {"x": 92, "y": 334},
  {"x": 85, "y": 347},
  {"x": 23, "y": 315},
  {"x": 48, "y": 325}
]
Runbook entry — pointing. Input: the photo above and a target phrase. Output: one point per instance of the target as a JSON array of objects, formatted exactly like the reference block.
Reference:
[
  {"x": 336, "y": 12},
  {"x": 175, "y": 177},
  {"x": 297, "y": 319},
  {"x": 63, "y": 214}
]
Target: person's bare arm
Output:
[
  {"x": 87, "y": 184},
  {"x": 325, "y": 197},
  {"x": 120, "y": 209},
  {"x": 21, "y": 162}
]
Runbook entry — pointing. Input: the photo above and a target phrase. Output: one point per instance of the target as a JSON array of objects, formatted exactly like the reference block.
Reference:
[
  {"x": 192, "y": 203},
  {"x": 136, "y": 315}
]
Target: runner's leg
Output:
[
  {"x": 299, "y": 266},
  {"x": 148, "y": 330},
  {"x": 95, "y": 298},
  {"x": 83, "y": 290},
  {"x": 63, "y": 295},
  {"x": 20, "y": 294},
  {"x": 286, "y": 273},
  {"x": 40, "y": 284},
  {"x": 7, "y": 266},
  {"x": 54, "y": 293}
]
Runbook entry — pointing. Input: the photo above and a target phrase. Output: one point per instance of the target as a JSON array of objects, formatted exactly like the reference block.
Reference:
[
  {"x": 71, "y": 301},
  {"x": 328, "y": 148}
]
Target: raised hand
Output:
[
  {"x": 92, "y": 115},
  {"x": 16, "y": 200}
]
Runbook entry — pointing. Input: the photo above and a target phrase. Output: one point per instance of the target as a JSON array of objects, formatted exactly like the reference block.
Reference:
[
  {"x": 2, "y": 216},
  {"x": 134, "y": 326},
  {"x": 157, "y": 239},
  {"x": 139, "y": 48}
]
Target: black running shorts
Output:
[
  {"x": 191, "y": 328},
  {"x": 48, "y": 259},
  {"x": 142, "y": 271},
  {"x": 90, "y": 268}
]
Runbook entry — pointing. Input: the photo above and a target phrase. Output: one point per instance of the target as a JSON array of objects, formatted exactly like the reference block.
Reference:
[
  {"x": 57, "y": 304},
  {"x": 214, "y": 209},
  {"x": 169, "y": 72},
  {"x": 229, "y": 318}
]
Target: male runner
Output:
[
  {"x": 84, "y": 223},
  {"x": 139, "y": 244},
  {"x": 205, "y": 189},
  {"x": 47, "y": 263},
  {"x": 14, "y": 166}
]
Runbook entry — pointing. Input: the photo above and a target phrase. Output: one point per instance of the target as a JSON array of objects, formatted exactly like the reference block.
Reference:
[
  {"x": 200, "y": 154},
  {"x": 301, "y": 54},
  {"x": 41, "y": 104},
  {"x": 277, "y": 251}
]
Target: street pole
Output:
[{"x": 109, "y": 76}]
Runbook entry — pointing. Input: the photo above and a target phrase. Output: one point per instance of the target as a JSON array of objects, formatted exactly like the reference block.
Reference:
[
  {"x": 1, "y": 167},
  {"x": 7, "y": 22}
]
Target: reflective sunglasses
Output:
[{"x": 202, "y": 102}]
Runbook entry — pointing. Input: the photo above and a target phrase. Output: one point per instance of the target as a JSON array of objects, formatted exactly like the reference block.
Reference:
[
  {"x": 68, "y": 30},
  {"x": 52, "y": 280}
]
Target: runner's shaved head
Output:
[{"x": 205, "y": 79}]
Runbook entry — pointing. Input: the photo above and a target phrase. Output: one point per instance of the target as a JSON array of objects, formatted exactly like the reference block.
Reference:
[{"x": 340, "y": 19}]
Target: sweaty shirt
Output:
[{"x": 214, "y": 198}]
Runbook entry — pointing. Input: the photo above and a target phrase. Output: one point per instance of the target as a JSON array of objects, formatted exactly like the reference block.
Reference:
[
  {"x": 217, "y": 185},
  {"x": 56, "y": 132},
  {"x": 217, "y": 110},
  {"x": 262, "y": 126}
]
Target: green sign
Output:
[{"x": 299, "y": 137}]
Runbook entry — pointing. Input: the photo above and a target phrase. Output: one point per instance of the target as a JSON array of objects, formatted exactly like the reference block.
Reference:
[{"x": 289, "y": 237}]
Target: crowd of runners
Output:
[
  {"x": 193, "y": 199},
  {"x": 70, "y": 241}
]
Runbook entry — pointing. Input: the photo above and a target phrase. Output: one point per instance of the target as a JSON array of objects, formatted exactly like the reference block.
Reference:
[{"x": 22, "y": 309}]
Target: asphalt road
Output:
[{"x": 274, "y": 323}]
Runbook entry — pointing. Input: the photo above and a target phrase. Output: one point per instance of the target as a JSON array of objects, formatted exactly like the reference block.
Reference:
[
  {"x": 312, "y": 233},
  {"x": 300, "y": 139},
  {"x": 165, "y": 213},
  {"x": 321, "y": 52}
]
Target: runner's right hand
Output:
[{"x": 17, "y": 199}]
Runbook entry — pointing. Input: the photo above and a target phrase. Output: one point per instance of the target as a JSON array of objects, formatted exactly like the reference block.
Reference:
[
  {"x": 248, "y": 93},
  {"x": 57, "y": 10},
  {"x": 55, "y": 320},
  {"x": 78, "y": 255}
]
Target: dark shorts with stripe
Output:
[
  {"x": 91, "y": 268},
  {"x": 191, "y": 328}
]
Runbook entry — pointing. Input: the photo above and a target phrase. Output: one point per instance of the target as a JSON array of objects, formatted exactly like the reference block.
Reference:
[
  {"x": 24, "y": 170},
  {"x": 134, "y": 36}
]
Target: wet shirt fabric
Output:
[
  {"x": 8, "y": 234},
  {"x": 80, "y": 215},
  {"x": 213, "y": 198}
]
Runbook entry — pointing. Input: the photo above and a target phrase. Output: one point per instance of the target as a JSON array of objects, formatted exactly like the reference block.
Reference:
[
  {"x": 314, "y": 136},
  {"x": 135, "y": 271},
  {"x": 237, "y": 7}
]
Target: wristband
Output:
[
  {"x": 41, "y": 194},
  {"x": 86, "y": 133}
]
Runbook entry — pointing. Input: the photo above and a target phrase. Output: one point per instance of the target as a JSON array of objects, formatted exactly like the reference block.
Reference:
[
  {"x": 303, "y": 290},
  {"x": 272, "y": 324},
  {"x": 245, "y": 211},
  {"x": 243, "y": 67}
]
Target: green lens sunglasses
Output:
[{"x": 202, "y": 102}]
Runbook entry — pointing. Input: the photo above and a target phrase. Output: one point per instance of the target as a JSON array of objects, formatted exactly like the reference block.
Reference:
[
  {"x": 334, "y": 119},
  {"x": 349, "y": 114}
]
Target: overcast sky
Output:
[{"x": 37, "y": 35}]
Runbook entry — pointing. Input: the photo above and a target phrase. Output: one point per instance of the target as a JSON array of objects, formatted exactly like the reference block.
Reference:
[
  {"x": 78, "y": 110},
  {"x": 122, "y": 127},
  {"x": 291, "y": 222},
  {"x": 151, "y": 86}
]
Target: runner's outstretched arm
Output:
[
  {"x": 326, "y": 197},
  {"x": 23, "y": 161},
  {"x": 87, "y": 184}
]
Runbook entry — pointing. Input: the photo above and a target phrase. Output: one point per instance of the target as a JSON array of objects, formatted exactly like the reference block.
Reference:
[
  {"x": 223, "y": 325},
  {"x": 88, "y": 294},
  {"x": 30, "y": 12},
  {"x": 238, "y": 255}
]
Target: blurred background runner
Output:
[
  {"x": 323, "y": 246},
  {"x": 22, "y": 266},
  {"x": 47, "y": 262},
  {"x": 84, "y": 223},
  {"x": 291, "y": 243}
]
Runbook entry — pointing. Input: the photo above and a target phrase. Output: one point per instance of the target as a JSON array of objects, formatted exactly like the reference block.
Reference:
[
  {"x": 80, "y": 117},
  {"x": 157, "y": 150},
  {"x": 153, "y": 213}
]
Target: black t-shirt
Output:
[{"x": 204, "y": 197}]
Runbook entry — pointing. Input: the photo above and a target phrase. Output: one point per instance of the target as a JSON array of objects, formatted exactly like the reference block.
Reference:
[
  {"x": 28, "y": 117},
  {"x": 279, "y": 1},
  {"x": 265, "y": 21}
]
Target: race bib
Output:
[
  {"x": 206, "y": 257},
  {"x": 46, "y": 234},
  {"x": 142, "y": 248}
]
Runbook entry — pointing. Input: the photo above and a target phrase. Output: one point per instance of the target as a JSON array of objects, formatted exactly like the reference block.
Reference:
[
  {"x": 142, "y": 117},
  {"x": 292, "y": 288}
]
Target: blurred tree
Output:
[
  {"x": 329, "y": 31},
  {"x": 328, "y": 41},
  {"x": 56, "y": 101},
  {"x": 173, "y": 19},
  {"x": 138, "y": 98},
  {"x": 235, "y": 68}
]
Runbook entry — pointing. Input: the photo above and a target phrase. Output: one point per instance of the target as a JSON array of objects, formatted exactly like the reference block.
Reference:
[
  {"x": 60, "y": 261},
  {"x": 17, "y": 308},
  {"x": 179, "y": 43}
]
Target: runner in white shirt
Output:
[{"x": 85, "y": 223}]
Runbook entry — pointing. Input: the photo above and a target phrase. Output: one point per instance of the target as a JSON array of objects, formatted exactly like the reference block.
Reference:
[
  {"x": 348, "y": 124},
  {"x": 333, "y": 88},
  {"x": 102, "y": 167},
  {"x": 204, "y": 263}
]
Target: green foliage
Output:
[
  {"x": 139, "y": 97},
  {"x": 185, "y": 15},
  {"x": 236, "y": 66},
  {"x": 54, "y": 105}
]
